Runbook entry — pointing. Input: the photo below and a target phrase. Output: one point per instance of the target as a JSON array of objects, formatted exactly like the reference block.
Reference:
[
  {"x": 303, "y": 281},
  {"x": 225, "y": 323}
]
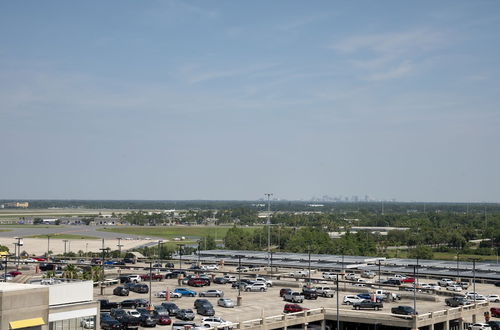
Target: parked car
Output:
[
  {"x": 197, "y": 282},
  {"x": 329, "y": 275},
  {"x": 163, "y": 294},
  {"x": 325, "y": 291},
  {"x": 215, "y": 322},
  {"x": 294, "y": 296},
  {"x": 87, "y": 323},
  {"x": 352, "y": 299},
  {"x": 205, "y": 310},
  {"x": 495, "y": 311},
  {"x": 293, "y": 308},
  {"x": 257, "y": 286},
  {"x": 446, "y": 282},
  {"x": 495, "y": 325},
  {"x": 185, "y": 292},
  {"x": 403, "y": 310},
  {"x": 120, "y": 291},
  {"x": 199, "y": 302},
  {"x": 284, "y": 291},
  {"x": 134, "y": 303},
  {"x": 182, "y": 325},
  {"x": 368, "y": 304},
  {"x": 109, "y": 323},
  {"x": 479, "y": 326},
  {"x": 464, "y": 284},
  {"x": 269, "y": 283},
  {"x": 106, "y": 305},
  {"x": 456, "y": 301},
  {"x": 351, "y": 277},
  {"x": 221, "y": 280},
  {"x": 212, "y": 293},
  {"x": 310, "y": 293},
  {"x": 154, "y": 277},
  {"x": 454, "y": 287},
  {"x": 171, "y": 308},
  {"x": 164, "y": 320},
  {"x": 225, "y": 302},
  {"x": 185, "y": 314},
  {"x": 493, "y": 298},
  {"x": 368, "y": 274},
  {"x": 392, "y": 281}
]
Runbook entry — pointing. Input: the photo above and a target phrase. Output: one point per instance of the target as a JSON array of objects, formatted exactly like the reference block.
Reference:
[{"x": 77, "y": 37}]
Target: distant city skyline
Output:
[{"x": 226, "y": 100}]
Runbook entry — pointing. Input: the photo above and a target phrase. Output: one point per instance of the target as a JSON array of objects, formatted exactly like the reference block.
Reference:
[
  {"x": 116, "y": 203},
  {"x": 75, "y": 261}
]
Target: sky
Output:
[{"x": 230, "y": 100}]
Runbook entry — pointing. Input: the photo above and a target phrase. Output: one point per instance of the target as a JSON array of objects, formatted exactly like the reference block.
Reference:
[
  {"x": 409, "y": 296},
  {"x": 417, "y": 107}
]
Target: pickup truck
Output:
[
  {"x": 325, "y": 291},
  {"x": 106, "y": 305},
  {"x": 300, "y": 273},
  {"x": 446, "y": 282},
  {"x": 351, "y": 277},
  {"x": 387, "y": 296},
  {"x": 368, "y": 304},
  {"x": 456, "y": 301},
  {"x": 294, "y": 296}
]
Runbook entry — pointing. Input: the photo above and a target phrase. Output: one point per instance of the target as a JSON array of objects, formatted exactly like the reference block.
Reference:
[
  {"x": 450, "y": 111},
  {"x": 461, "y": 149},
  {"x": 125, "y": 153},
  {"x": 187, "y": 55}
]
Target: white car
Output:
[
  {"x": 215, "y": 322},
  {"x": 474, "y": 296},
  {"x": 269, "y": 283},
  {"x": 329, "y": 276},
  {"x": 231, "y": 278},
  {"x": 454, "y": 287},
  {"x": 479, "y": 326},
  {"x": 87, "y": 323},
  {"x": 134, "y": 313},
  {"x": 493, "y": 298},
  {"x": 256, "y": 286},
  {"x": 300, "y": 273},
  {"x": 430, "y": 286},
  {"x": 210, "y": 267},
  {"x": 446, "y": 282},
  {"x": 349, "y": 300},
  {"x": 351, "y": 277},
  {"x": 163, "y": 294}
]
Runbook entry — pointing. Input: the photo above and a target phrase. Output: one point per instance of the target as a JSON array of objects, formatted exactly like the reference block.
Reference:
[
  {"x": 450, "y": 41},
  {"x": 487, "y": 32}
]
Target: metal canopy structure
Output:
[{"x": 438, "y": 268}]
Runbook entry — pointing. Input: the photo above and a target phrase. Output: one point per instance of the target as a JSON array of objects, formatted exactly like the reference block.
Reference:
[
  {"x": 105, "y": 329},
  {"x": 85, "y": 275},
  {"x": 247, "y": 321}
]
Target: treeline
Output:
[{"x": 338, "y": 207}]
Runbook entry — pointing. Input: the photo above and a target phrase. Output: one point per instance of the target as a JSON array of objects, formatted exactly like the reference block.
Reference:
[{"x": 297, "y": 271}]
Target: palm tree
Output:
[{"x": 70, "y": 271}]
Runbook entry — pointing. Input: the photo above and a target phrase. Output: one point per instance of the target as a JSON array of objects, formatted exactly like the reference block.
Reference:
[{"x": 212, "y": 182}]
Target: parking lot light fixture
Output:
[{"x": 181, "y": 246}]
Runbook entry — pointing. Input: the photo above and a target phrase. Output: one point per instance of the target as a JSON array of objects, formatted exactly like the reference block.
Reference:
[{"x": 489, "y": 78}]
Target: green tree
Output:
[{"x": 421, "y": 252}]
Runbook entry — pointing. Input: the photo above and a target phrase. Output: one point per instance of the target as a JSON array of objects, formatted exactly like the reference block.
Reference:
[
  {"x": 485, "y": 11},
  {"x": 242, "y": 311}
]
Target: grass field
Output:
[
  {"x": 3, "y": 230},
  {"x": 175, "y": 231},
  {"x": 63, "y": 236},
  {"x": 6, "y": 225}
]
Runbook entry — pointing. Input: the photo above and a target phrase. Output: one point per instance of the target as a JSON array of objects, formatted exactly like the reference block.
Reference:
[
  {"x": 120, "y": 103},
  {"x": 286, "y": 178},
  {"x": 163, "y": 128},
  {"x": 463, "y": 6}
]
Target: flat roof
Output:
[{"x": 8, "y": 286}]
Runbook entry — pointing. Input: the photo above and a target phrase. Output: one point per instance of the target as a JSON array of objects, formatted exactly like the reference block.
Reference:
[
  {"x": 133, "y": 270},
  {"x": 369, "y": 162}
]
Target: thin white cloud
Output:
[
  {"x": 385, "y": 56},
  {"x": 399, "y": 71}
]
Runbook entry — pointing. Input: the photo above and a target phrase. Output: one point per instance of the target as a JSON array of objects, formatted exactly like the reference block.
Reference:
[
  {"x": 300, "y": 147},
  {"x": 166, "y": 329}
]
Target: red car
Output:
[
  {"x": 196, "y": 282},
  {"x": 495, "y": 311},
  {"x": 408, "y": 280},
  {"x": 154, "y": 277},
  {"x": 14, "y": 273},
  {"x": 293, "y": 308},
  {"x": 164, "y": 320},
  {"x": 39, "y": 259}
]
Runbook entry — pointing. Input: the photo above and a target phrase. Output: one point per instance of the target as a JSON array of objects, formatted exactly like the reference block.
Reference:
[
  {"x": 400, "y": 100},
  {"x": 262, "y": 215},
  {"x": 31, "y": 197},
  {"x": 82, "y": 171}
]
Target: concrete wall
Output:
[
  {"x": 70, "y": 293},
  {"x": 19, "y": 305}
]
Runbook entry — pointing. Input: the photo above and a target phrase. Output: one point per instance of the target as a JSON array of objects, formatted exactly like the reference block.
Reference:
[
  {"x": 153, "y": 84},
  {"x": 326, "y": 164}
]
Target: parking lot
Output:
[{"x": 262, "y": 304}]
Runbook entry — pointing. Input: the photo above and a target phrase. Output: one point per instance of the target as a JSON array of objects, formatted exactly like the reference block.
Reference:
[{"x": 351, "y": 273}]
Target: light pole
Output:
[
  {"x": 102, "y": 265},
  {"x": 338, "y": 319},
  {"x": 474, "y": 278},
  {"x": 119, "y": 245},
  {"x": 150, "y": 306},
  {"x": 48, "y": 245},
  {"x": 309, "y": 272},
  {"x": 379, "y": 280},
  {"x": 199, "y": 255},
  {"x": 271, "y": 265},
  {"x": 414, "y": 291},
  {"x": 180, "y": 255},
  {"x": 159, "y": 249},
  {"x": 268, "y": 224},
  {"x": 66, "y": 241},
  {"x": 18, "y": 245},
  {"x": 238, "y": 299}
]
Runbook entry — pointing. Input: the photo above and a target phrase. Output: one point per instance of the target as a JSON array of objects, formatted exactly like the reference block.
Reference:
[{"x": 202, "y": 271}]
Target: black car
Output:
[
  {"x": 147, "y": 318},
  {"x": 109, "y": 323},
  {"x": 221, "y": 280},
  {"x": 206, "y": 310},
  {"x": 241, "y": 282},
  {"x": 310, "y": 293},
  {"x": 175, "y": 274},
  {"x": 497, "y": 283},
  {"x": 134, "y": 303},
  {"x": 285, "y": 291},
  {"x": 495, "y": 325},
  {"x": 199, "y": 302},
  {"x": 171, "y": 308},
  {"x": 392, "y": 281},
  {"x": 120, "y": 291},
  {"x": 129, "y": 261},
  {"x": 169, "y": 265},
  {"x": 185, "y": 315},
  {"x": 137, "y": 287},
  {"x": 403, "y": 310}
]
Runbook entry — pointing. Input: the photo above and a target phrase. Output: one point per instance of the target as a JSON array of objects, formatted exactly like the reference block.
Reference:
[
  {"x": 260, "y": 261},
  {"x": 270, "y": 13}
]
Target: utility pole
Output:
[
  {"x": 180, "y": 255},
  {"x": 48, "y": 246},
  {"x": 414, "y": 291},
  {"x": 119, "y": 245},
  {"x": 102, "y": 265},
  {"x": 338, "y": 318},
  {"x": 238, "y": 299},
  {"x": 66, "y": 241},
  {"x": 309, "y": 272},
  {"x": 268, "y": 225}
]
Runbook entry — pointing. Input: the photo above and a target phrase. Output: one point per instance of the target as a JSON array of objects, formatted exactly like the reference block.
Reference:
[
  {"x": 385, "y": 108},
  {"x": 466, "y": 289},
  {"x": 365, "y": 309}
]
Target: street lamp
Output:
[
  {"x": 414, "y": 291},
  {"x": 66, "y": 241},
  {"x": 18, "y": 245},
  {"x": 180, "y": 255},
  {"x": 268, "y": 224},
  {"x": 238, "y": 299},
  {"x": 309, "y": 272},
  {"x": 48, "y": 245},
  {"x": 159, "y": 249},
  {"x": 119, "y": 245}
]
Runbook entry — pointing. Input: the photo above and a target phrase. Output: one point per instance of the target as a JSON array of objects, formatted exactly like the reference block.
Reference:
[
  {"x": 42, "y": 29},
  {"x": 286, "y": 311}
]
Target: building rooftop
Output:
[{"x": 8, "y": 286}]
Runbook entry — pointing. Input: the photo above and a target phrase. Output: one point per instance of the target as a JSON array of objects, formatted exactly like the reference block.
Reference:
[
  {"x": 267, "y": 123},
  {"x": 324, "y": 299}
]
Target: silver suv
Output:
[{"x": 256, "y": 286}]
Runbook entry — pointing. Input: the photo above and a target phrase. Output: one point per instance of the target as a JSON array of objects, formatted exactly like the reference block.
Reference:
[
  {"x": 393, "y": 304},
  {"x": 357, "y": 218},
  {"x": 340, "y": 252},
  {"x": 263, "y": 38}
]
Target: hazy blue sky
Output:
[{"x": 233, "y": 99}]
